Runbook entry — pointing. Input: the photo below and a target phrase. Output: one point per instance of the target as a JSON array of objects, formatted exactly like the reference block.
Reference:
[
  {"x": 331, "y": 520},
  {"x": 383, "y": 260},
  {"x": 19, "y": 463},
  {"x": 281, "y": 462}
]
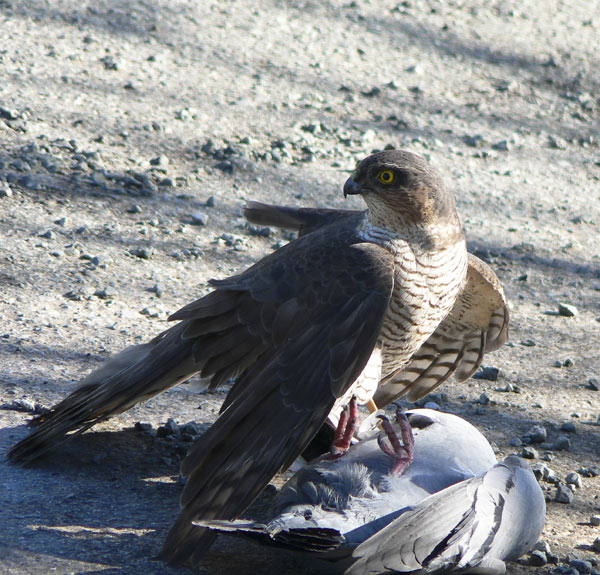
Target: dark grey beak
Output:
[{"x": 352, "y": 187}]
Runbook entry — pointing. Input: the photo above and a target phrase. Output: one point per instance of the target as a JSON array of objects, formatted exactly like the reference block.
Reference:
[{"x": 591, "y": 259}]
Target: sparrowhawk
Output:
[{"x": 355, "y": 303}]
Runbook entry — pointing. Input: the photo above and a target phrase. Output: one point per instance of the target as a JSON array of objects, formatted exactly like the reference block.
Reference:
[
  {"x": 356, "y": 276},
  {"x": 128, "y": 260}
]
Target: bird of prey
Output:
[
  {"x": 330, "y": 315},
  {"x": 455, "y": 508},
  {"x": 477, "y": 324}
]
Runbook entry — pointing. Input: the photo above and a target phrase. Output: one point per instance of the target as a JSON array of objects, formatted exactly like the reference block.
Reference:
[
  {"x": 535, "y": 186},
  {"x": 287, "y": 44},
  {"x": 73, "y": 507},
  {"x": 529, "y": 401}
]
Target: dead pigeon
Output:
[{"x": 453, "y": 508}]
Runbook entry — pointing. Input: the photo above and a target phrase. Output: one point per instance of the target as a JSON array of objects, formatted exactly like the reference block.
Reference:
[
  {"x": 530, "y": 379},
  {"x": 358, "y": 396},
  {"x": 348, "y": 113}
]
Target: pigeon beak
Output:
[{"x": 352, "y": 188}]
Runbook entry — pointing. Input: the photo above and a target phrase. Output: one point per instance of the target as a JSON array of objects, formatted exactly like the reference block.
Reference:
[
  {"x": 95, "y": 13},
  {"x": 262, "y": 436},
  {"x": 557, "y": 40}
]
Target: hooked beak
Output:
[{"x": 352, "y": 188}]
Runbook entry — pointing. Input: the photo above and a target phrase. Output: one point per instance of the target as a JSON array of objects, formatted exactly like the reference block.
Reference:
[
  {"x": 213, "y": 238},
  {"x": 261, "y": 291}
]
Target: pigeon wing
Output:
[{"x": 451, "y": 530}]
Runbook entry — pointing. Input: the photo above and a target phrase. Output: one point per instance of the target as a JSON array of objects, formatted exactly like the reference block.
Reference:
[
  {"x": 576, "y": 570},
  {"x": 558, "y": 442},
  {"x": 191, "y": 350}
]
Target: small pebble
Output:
[
  {"x": 562, "y": 443},
  {"x": 593, "y": 384},
  {"x": 8, "y": 114},
  {"x": 104, "y": 293},
  {"x": 568, "y": 426},
  {"x": 589, "y": 471},
  {"x": 143, "y": 426},
  {"x": 160, "y": 161},
  {"x": 415, "y": 69},
  {"x": 563, "y": 494},
  {"x": 191, "y": 428},
  {"x": 537, "y": 434},
  {"x": 567, "y": 310},
  {"x": 529, "y": 453},
  {"x": 541, "y": 471},
  {"x": 564, "y": 570},
  {"x": 5, "y": 190},
  {"x": 484, "y": 399},
  {"x": 73, "y": 296},
  {"x": 432, "y": 405},
  {"x": 142, "y": 253},
  {"x": 556, "y": 142},
  {"x": 258, "y": 231},
  {"x": 596, "y": 544},
  {"x": 502, "y": 146},
  {"x": 573, "y": 479},
  {"x": 488, "y": 373},
  {"x": 199, "y": 218},
  {"x": 537, "y": 558},
  {"x": 545, "y": 548},
  {"x": 475, "y": 141},
  {"x": 168, "y": 429},
  {"x": 542, "y": 546},
  {"x": 595, "y": 520},
  {"x": 225, "y": 166},
  {"x": 584, "y": 567},
  {"x": 505, "y": 389}
]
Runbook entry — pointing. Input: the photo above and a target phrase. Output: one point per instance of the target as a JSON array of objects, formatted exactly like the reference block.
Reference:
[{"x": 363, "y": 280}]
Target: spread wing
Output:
[
  {"x": 477, "y": 324},
  {"x": 314, "y": 309},
  {"x": 449, "y": 531}
]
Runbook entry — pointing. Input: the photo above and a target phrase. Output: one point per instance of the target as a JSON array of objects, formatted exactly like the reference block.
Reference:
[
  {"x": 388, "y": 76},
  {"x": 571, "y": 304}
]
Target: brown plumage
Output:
[
  {"x": 343, "y": 307},
  {"x": 477, "y": 324}
]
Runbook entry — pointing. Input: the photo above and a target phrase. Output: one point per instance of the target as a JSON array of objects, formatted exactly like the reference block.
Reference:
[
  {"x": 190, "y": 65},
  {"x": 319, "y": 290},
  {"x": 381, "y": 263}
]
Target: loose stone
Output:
[
  {"x": 537, "y": 559},
  {"x": 562, "y": 443},
  {"x": 567, "y": 310},
  {"x": 488, "y": 373},
  {"x": 563, "y": 494},
  {"x": 537, "y": 434}
]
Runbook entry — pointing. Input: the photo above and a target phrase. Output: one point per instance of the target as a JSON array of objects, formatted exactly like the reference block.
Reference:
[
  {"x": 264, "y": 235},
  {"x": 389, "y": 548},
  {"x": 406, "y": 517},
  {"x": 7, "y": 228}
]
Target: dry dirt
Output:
[{"x": 132, "y": 133}]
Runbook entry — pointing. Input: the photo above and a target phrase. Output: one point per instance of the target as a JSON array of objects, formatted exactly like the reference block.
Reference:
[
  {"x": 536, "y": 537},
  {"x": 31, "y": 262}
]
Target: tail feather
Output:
[
  {"x": 136, "y": 374},
  {"x": 310, "y": 538},
  {"x": 206, "y": 334},
  {"x": 302, "y": 220}
]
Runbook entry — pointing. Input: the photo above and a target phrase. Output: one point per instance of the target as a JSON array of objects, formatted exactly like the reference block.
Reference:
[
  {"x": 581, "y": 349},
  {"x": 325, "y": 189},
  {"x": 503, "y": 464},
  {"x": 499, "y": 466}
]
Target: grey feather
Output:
[{"x": 454, "y": 508}]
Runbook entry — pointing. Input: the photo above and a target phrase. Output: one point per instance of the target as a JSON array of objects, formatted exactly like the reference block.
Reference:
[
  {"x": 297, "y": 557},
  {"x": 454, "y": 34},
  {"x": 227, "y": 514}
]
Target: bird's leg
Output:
[
  {"x": 402, "y": 454},
  {"x": 371, "y": 406},
  {"x": 345, "y": 430}
]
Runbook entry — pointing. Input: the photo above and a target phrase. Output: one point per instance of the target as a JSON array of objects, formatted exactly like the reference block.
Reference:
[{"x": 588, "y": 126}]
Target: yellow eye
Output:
[{"x": 386, "y": 176}]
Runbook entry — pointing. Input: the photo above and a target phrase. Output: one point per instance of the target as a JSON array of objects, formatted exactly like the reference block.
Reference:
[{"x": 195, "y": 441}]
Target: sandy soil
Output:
[{"x": 132, "y": 133}]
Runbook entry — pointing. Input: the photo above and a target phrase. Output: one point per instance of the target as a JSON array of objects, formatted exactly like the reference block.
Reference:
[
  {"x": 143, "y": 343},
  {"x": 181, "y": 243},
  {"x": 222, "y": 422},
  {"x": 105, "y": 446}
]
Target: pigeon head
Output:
[{"x": 401, "y": 189}]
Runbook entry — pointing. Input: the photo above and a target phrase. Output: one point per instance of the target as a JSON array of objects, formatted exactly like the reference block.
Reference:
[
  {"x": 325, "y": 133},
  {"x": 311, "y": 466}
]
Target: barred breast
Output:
[
  {"x": 427, "y": 282},
  {"x": 425, "y": 289}
]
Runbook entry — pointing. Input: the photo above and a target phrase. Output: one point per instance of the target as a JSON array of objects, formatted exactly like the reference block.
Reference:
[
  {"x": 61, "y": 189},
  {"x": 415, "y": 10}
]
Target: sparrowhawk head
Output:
[{"x": 403, "y": 184}]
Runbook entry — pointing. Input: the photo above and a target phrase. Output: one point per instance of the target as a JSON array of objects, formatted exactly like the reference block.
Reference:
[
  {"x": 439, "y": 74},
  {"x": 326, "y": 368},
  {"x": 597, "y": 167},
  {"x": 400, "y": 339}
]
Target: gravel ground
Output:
[{"x": 131, "y": 135}]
